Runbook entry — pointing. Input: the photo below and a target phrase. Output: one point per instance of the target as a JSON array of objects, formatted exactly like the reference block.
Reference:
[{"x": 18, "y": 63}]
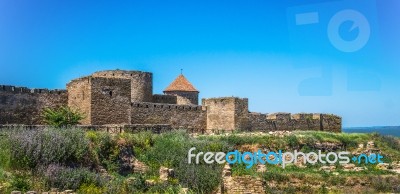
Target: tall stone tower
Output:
[
  {"x": 185, "y": 92},
  {"x": 102, "y": 100}
]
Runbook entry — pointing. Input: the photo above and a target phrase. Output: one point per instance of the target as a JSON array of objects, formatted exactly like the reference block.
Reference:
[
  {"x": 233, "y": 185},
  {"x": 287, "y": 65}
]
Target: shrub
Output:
[
  {"x": 391, "y": 141},
  {"x": 201, "y": 178},
  {"x": 275, "y": 176},
  {"x": 5, "y": 154},
  {"x": 170, "y": 150},
  {"x": 61, "y": 177},
  {"x": 61, "y": 117},
  {"x": 90, "y": 188},
  {"x": 20, "y": 182},
  {"x": 32, "y": 148}
]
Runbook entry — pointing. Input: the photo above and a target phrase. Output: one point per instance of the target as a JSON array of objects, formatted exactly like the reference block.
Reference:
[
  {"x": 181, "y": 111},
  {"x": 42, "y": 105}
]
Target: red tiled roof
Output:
[{"x": 181, "y": 84}]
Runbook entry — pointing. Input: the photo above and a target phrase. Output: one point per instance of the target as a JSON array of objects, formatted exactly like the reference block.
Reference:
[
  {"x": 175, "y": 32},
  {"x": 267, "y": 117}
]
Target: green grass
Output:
[{"x": 79, "y": 154}]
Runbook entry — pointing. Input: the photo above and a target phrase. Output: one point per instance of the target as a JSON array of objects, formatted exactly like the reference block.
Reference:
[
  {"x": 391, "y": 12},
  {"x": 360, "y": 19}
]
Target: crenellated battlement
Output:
[
  {"x": 164, "y": 106},
  {"x": 16, "y": 89},
  {"x": 22, "y": 105},
  {"x": 126, "y": 98},
  {"x": 299, "y": 121},
  {"x": 122, "y": 73}
]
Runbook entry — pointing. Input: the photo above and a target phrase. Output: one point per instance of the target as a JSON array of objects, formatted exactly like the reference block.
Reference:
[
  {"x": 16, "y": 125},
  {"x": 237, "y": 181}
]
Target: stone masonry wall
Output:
[
  {"x": 232, "y": 113},
  {"x": 227, "y": 113},
  {"x": 21, "y": 105},
  {"x": 185, "y": 98},
  {"x": 187, "y": 116},
  {"x": 301, "y": 121},
  {"x": 141, "y": 85},
  {"x": 167, "y": 99},
  {"x": 110, "y": 101},
  {"x": 79, "y": 97}
]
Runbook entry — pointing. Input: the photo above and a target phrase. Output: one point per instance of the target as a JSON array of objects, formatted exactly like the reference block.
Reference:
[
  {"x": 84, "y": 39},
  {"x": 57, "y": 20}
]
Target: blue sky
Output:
[{"x": 252, "y": 49}]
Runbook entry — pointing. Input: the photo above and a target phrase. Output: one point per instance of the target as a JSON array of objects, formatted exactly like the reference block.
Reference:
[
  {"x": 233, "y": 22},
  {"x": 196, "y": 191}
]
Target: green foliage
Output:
[
  {"x": 241, "y": 170},
  {"x": 275, "y": 176},
  {"x": 292, "y": 141},
  {"x": 392, "y": 142},
  {"x": 69, "y": 159},
  {"x": 33, "y": 148},
  {"x": 170, "y": 150},
  {"x": 56, "y": 176},
  {"x": 381, "y": 184},
  {"x": 62, "y": 116},
  {"x": 5, "y": 146},
  {"x": 20, "y": 182},
  {"x": 90, "y": 188}
]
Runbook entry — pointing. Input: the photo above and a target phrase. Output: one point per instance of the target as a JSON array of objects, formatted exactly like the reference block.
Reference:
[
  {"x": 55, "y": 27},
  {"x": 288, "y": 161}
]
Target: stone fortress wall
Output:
[
  {"x": 126, "y": 97},
  {"x": 23, "y": 106}
]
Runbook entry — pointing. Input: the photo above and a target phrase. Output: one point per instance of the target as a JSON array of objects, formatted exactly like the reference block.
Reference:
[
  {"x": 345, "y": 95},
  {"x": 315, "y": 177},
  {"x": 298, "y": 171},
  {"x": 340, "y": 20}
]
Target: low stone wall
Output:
[
  {"x": 52, "y": 191},
  {"x": 155, "y": 128},
  {"x": 292, "y": 122},
  {"x": 243, "y": 184},
  {"x": 240, "y": 184}
]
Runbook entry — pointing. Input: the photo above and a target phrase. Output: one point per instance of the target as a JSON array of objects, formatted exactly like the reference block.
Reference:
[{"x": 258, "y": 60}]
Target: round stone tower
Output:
[
  {"x": 141, "y": 83},
  {"x": 185, "y": 92}
]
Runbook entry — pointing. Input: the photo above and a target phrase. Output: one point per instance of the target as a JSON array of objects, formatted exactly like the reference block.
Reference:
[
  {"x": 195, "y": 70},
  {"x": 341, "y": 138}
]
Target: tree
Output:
[{"x": 62, "y": 116}]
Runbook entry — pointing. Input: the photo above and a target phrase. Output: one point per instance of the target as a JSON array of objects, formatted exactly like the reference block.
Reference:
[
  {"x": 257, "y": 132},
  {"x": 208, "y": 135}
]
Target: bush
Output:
[
  {"x": 391, "y": 141},
  {"x": 275, "y": 176},
  {"x": 61, "y": 117},
  {"x": 170, "y": 150},
  {"x": 61, "y": 177},
  {"x": 32, "y": 148},
  {"x": 90, "y": 188},
  {"x": 5, "y": 154},
  {"x": 201, "y": 178},
  {"x": 20, "y": 182}
]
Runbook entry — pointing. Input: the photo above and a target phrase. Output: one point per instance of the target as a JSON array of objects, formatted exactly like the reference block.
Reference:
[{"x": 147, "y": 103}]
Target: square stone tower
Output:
[
  {"x": 102, "y": 100},
  {"x": 227, "y": 114}
]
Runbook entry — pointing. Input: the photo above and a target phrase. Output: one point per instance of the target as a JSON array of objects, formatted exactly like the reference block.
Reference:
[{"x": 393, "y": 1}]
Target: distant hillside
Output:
[{"x": 383, "y": 130}]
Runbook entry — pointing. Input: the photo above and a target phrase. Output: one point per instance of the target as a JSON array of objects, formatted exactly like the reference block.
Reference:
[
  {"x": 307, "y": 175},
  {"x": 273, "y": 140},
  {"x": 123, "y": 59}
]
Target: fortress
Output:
[{"x": 120, "y": 97}]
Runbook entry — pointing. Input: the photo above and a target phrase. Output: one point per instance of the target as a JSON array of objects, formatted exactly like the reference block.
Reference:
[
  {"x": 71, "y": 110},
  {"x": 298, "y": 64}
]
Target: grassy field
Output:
[{"x": 74, "y": 159}]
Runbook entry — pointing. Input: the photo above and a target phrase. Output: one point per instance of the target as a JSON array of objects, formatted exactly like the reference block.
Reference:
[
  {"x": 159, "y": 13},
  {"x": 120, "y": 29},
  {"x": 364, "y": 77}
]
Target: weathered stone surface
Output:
[
  {"x": 19, "y": 105},
  {"x": 141, "y": 83},
  {"x": 261, "y": 168},
  {"x": 102, "y": 100},
  {"x": 178, "y": 116},
  {"x": 150, "y": 183},
  {"x": 227, "y": 113},
  {"x": 125, "y": 97},
  {"x": 139, "y": 167},
  {"x": 382, "y": 166},
  {"x": 166, "y": 173},
  {"x": 243, "y": 184}
]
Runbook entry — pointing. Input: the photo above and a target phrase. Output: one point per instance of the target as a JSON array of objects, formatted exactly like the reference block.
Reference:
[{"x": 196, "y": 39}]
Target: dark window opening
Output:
[{"x": 111, "y": 93}]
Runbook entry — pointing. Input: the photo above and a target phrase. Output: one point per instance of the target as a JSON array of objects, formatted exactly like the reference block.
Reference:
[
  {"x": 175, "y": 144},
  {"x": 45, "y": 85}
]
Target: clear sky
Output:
[{"x": 294, "y": 56}]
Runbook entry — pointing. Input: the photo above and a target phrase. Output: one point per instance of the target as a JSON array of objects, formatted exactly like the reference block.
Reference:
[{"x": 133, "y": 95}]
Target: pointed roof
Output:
[{"x": 181, "y": 84}]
